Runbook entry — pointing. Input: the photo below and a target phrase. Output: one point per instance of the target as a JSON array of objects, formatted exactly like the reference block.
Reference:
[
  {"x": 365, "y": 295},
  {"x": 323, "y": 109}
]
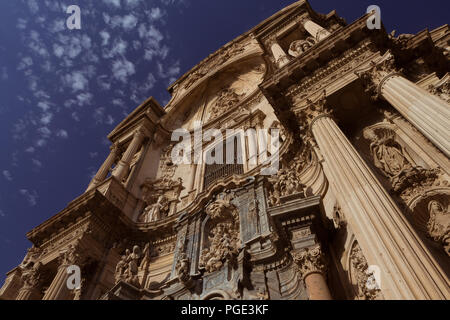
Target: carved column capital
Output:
[
  {"x": 71, "y": 256},
  {"x": 314, "y": 111},
  {"x": 376, "y": 75},
  {"x": 310, "y": 260}
]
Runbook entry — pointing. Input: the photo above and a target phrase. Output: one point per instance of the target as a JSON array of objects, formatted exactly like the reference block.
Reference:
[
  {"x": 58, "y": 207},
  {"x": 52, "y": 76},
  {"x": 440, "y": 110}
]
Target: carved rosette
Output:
[
  {"x": 227, "y": 99},
  {"x": 310, "y": 260},
  {"x": 374, "y": 78}
]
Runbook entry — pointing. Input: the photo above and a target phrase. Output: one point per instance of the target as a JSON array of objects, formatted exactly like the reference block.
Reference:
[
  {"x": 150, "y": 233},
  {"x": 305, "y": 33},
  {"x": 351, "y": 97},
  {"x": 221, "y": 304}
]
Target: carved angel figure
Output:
[
  {"x": 439, "y": 224},
  {"x": 132, "y": 269}
]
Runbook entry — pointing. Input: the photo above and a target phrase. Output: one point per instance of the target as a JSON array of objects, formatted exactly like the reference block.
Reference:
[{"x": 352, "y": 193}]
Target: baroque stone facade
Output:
[{"x": 358, "y": 209}]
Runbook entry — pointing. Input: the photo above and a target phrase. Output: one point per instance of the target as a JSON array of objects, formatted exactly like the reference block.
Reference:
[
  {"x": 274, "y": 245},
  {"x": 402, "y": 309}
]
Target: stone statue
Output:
[
  {"x": 389, "y": 156},
  {"x": 132, "y": 269},
  {"x": 121, "y": 268},
  {"x": 439, "y": 224},
  {"x": 182, "y": 268},
  {"x": 155, "y": 211}
]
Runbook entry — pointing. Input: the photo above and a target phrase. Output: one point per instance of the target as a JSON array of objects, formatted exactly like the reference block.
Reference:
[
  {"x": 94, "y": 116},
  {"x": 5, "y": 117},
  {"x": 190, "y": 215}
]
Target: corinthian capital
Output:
[
  {"x": 71, "y": 256},
  {"x": 314, "y": 110},
  {"x": 377, "y": 73},
  {"x": 310, "y": 260}
]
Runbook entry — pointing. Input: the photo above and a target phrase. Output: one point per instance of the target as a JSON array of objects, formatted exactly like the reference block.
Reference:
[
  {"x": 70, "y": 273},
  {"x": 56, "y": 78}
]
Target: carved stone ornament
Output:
[
  {"x": 442, "y": 88},
  {"x": 131, "y": 264},
  {"x": 298, "y": 47},
  {"x": 374, "y": 77},
  {"x": 227, "y": 99},
  {"x": 182, "y": 269},
  {"x": 310, "y": 260},
  {"x": 285, "y": 183},
  {"x": 438, "y": 225},
  {"x": 313, "y": 111},
  {"x": 223, "y": 236},
  {"x": 393, "y": 161},
  {"x": 214, "y": 62},
  {"x": 71, "y": 256},
  {"x": 166, "y": 165},
  {"x": 158, "y": 196},
  {"x": 367, "y": 288}
]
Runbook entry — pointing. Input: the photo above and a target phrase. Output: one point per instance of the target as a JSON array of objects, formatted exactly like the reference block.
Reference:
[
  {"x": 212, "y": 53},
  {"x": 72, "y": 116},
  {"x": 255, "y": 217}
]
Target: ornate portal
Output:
[{"x": 335, "y": 183}]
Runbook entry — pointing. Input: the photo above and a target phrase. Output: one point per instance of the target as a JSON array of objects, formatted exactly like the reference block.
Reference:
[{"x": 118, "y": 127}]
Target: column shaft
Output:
[
  {"x": 280, "y": 56},
  {"x": 58, "y": 289},
  {"x": 104, "y": 169},
  {"x": 408, "y": 270},
  {"x": 124, "y": 163},
  {"x": 317, "y": 287},
  {"x": 429, "y": 114},
  {"x": 315, "y": 30}
]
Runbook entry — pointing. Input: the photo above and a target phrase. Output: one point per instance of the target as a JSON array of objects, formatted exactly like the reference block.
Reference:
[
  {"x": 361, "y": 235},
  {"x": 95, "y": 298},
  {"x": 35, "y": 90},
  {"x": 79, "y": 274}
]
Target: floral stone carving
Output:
[{"x": 438, "y": 226}]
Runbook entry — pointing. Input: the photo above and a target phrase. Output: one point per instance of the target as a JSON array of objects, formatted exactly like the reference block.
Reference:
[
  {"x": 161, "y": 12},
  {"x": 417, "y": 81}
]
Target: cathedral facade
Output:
[{"x": 337, "y": 188}]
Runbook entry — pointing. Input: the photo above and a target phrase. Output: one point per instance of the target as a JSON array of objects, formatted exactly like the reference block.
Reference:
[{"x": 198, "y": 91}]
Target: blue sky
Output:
[{"x": 62, "y": 91}]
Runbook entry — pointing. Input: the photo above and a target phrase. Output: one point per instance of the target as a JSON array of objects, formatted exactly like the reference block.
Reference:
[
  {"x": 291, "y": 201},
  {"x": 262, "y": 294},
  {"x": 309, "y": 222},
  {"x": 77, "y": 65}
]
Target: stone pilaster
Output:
[
  {"x": 312, "y": 267},
  {"x": 427, "y": 112},
  {"x": 408, "y": 271},
  {"x": 124, "y": 164}
]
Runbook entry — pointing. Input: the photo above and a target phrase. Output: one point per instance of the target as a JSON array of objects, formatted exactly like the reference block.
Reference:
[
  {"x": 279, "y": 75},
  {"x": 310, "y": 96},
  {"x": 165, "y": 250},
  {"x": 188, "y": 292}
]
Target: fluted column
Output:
[
  {"x": 104, "y": 169},
  {"x": 312, "y": 267},
  {"x": 408, "y": 271},
  {"x": 427, "y": 112},
  {"x": 318, "y": 32},
  {"x": 124, "y": 164},
  {"x": 58, "y": 288},
  {"x": 281, "y": 58}
]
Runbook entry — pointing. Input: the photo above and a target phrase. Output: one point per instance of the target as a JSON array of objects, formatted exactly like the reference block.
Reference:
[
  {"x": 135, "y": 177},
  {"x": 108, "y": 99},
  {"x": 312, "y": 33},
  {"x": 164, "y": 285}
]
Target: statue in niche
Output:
[
  {"x": 439, "y": 224},
  {"x": 155, "y": 211},
  {"x": 390, "y": 157},
  {"x": 298, "y": 47}
]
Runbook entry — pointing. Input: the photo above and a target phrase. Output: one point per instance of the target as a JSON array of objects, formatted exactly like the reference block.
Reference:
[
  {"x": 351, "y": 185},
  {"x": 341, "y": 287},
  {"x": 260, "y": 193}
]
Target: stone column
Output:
[
  {"x": 281, "y": 58},
  {"x": 124, "y": 164},
  {"x": 314, "y": 29},
  {"x": 58, "y": 288},
  {"x": 313, "y": 270},
  {"x": 427, "y": 112},
  {"x": 104, "y": 169},
  {"x": 408, "y": 271}
]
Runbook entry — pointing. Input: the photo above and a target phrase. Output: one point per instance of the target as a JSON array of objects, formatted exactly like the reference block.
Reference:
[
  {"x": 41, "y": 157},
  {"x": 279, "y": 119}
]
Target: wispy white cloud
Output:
[
  {"x": 7, "y": 175},
  {"x": 2, "y": 214},
  {"x": 30, "y": 196},
  {"x": 62, "y": 134}
]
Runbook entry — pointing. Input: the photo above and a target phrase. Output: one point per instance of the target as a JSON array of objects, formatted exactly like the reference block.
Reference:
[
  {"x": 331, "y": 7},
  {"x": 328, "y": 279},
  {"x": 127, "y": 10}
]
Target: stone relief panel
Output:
[
  {"x": 222, "y": 238},
  {"x": 360, "y": 275},
  {"x": 232, "y": 86},
  {"x": 160, "y": 197},
  {"x": 390, "y": 156}
]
